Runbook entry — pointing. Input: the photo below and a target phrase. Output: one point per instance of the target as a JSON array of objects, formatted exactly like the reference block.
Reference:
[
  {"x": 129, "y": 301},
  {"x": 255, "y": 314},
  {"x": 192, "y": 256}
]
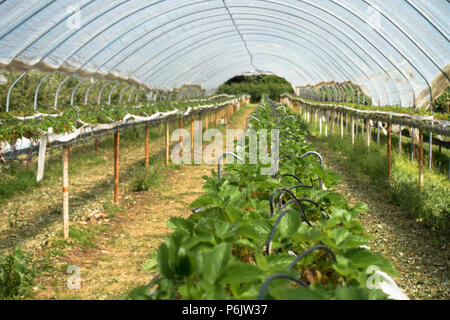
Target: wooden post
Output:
[
  {"x": 215, "y": 118},
  {"x": 368, "y": 133},
  {"x": 116, "y": 167},
  {"x": 167, "y": 144},
  {"x": 147, "y": 146},
  {"x": 326, "y": 124},
  {"x": 421, "y": 178},
  {"x": 353, "y": 130},
  {"x": 342, "y": 126},
  {"x": 192, "y": 135},
  {"x": 320, "y": 122},
  {"x": 206, "y": 121},
  {"x": 400, "y": 141},
  {"x": 96, "y": 145},
  {"x": 181, "y": 136},
  {"x": 378, "y": 133},
  {"x": 389, "y": 164},
  {"x": 65, "y": 160}
]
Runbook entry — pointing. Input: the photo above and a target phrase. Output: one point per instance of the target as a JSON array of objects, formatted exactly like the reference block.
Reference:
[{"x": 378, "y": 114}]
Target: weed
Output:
[
  {"x": 146, "y": 178},
  {"x": 17, "y": 275}
]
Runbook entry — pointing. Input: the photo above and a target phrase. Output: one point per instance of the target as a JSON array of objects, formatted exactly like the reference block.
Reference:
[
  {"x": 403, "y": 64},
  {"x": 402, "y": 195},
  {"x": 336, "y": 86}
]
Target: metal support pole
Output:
[
  {"x": 147, "y": 145},
  {"x": 55, "y": 105},
  {"x": 11, "y": 88},
  {"x": 99, "y": 100},
  {"x": 65, "y": 162},
  {"x": 421, "y": 178},
  {"x": 36, "y": 93},
  {"x": 389, "y": 164},
  {"x": 87, "y": 92},
  {"x": 116, "y": 167},
  {"x": 131, "y": 93},
  {"x": 122, "y": 92},
  {"x": 167, "y": 144},
  {"x": 111, "y": 92}
]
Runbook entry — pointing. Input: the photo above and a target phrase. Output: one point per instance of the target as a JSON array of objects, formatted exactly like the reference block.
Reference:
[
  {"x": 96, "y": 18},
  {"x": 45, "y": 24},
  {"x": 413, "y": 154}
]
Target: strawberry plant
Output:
[{"x": 270, "y": 237}]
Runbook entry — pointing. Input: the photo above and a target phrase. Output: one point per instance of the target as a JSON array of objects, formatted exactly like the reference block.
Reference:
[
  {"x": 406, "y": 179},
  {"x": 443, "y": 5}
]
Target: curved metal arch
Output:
[
  {"x": 342, "y": 53},
  {"x": 74, "y": 90},
  {"x": 353, "y": 28},
  {"x": 409, "y": 38},
  {"x": 287, "y": 59},
  {"x": 340, "y": 31},
  {"x": 339, "y": 69},
  {"x": 99, "y": 99},
  {"x": 413, "y": 90},
  {"x": 209, "y": 59},
  {"x": 36, "y": 93},
  {"x": 219, "y": 8},
  {"x": 350, "y": 39},
  {"x": 131, "y": 93},
  {"x": 55, "y": 105},
  {"x": 87, "y": 91},
  {"x": 111, "y": 92},
  {"x": 200, "y": 75},
  {"x": 122, "y": 92},
  {"x": 8, "y": 96},
  {"x": 231, "y": 34},
  {"x": 143, "y": 23},
  {"x": 223, "y": 69}
]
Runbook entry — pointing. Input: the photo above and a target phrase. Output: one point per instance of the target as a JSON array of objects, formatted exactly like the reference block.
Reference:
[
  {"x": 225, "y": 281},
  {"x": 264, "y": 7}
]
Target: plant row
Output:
[
  {"x": 281, "y": 236},
  {"x": 67, "y": 119}
]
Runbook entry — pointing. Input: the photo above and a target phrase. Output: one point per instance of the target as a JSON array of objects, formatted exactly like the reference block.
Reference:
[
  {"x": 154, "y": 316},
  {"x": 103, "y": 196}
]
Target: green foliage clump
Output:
[
  {"x": 17, "y": 275},
  {"x": 146, "y": 178},
  {"x": 256, "y": 86}
]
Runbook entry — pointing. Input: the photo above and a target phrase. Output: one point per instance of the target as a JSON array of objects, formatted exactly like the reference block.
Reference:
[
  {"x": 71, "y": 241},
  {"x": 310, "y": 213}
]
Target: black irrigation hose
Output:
[
  {"x": 289, "y": 134},
  {"x": 284, "y": 119},
  {"x": 272, "y": 197},
  {"x": 294, "y": 187},
  {"x": 291, "y": 176},
  {"x": 219, "y": 168},
  {"x": 278, "y": 276},
  {"x": 275, "y": 226},
  {"x": 304, "y": 254}
]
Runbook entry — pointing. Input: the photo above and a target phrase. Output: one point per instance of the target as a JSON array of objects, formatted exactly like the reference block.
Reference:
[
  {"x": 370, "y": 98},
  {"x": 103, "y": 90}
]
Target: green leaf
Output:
[
  {"x": 242, "y": 273},
  {"x": 289, "y": 224},
  {"x": 363, "y": 258},
  {"x": 217, "y": 262},
  {"x": 163, "y": 261},
  {"x": 180, "y": 224},
  {"x": 358, "y": 293}
]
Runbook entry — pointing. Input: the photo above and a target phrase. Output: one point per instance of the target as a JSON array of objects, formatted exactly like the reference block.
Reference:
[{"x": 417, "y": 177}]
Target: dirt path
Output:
[
  {"x": 419, "y": 254},
  {"x": 111, "y": 262}
]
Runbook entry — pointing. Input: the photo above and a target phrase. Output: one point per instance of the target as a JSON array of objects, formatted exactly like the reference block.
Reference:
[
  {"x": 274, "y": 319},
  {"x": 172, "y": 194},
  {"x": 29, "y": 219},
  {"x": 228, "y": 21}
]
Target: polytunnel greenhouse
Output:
[{"x": 224, "y": 150}]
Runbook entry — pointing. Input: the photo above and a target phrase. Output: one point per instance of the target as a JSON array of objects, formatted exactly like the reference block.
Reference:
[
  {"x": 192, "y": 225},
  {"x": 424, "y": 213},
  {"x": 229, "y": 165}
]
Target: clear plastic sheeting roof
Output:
[{"x": 395, "y": 50}]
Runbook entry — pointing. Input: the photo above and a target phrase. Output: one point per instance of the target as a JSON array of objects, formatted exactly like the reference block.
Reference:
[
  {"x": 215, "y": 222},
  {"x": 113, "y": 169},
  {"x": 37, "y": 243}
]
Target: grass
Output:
[
  {"x": 429, "y": 205},
  {"x": 18, "y": 178}
]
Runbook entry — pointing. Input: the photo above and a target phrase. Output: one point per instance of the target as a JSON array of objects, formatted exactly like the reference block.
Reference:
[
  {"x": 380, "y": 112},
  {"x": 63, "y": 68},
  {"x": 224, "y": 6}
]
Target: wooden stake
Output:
[
  {"x": 400, "y": 141},
  {"x": 389, "y": 164},
  {"x": 353, "y": 130},
  {"x": 167, "y": 144},
  {"x": 96, "y": 145},
  {"x": 421, "y": 178},
  {"x": 192, "y": 135},
  {"x": 368, "y": 132},
  {"x": 147, "y": 146},
  {"x": 116, "y": 167},
  {"x": 342, "y": 126},
  {"x": 206, "y": 121},
  {"x": 65, "y": 172},
  {"x": 181, "y": 136}
]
